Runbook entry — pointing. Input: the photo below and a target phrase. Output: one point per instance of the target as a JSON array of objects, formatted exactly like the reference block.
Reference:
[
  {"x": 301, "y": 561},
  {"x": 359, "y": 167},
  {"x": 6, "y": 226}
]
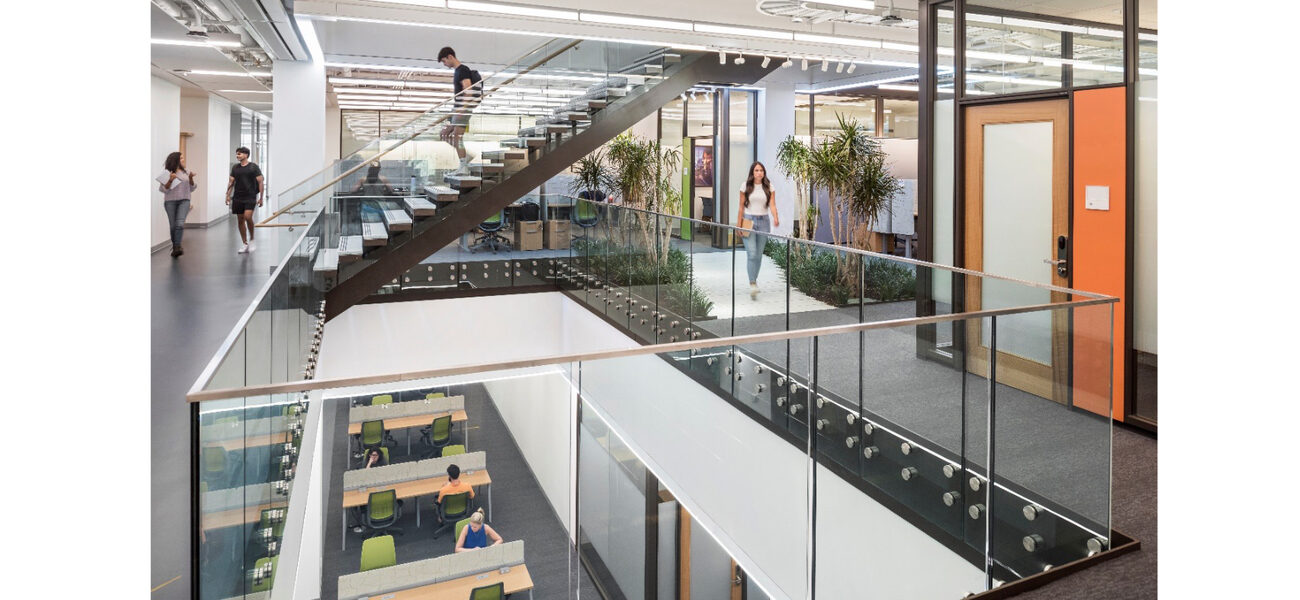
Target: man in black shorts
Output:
[
  {"x": 463, "y": 78},
  {"x": 242, "y": 193}
]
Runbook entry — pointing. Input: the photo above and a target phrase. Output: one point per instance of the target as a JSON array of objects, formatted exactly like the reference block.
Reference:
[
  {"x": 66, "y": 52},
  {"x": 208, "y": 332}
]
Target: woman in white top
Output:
[
  {"x": 176, "y": 184},
  {"x": 758, "y": 204}
]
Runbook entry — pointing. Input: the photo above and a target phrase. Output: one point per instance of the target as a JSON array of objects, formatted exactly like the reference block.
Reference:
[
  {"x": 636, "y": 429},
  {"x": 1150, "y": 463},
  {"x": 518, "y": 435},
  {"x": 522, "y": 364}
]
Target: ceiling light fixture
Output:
[
  {"x": 767, "y": 60},
  {"x": 788, "y": 63},
  {"x": 839, "y": 41},
  {"x": 743, "y": 31},
  {"x": 858, "y": 4},
  {"x": 839, "y": 68},
  {"x": 803, "y": 65},
  {"x": 513, "y": 10},
  {"x": 825, "y": 64},
  {"x": 852, "y": 66},
  {"x": 245, "y": 91},
  {"x": 204, "y": 44},
  {"x": 429, "y": 3},
  {"x": 399, "y": 83},
  {"x": 740, "y": 59},
  {"x": 230, "y": 73},
  {"x": 722, "y": 58},
  {"x": 591, "y": 17}
]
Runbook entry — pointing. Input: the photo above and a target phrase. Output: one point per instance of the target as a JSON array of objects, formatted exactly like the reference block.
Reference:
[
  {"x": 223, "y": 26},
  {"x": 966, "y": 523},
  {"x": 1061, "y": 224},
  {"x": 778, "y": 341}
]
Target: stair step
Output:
[
  {"x": 374, "y": 234},
  {"x": 442, "y": 193},
  {"x": 672, "y": 58},
  {"x": 487, "y": 168},
  {"x": 327, "y": 262},
  {"x": 505, "y": 154},
  {"x": 463, "y": 182},
  {"x": 534, "y": 142},
  {"x": 513, "y": 143},
  {"x": 420, "y": 206},
  {"x": 616, "y": 92},
  {"x": 652, "y": 69},
  {"x": 577, "y": 116},
  {"x": 597, "y": 104},
  {"x": 397, "y": 220},
  {"x": 350, "y": 248},
  {"x": 635, "y": 80}
]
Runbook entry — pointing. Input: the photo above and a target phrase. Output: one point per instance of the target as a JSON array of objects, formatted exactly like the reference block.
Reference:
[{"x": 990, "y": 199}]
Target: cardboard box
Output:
[
  {"x": 528, "y": 235},
  {"x": 557, "y": 235}
]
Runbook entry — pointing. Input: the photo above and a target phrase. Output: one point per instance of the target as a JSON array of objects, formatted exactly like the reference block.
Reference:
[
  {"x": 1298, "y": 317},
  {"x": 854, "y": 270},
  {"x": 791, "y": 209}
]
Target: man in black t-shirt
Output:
[
  {"x": 243, "y": 194},
  {"x": 463, "y": 78}
]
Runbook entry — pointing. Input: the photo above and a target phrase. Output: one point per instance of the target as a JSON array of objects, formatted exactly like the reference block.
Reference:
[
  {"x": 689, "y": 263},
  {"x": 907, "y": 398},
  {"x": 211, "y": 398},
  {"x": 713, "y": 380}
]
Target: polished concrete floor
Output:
[{"x": 195, "y": 301}]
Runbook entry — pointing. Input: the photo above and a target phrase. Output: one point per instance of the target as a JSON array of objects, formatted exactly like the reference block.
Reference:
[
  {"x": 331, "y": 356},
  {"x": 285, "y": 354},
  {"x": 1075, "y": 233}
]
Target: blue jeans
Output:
[
  {"x": 755, "y": 242},
  {"x": 176, "y": 212}
]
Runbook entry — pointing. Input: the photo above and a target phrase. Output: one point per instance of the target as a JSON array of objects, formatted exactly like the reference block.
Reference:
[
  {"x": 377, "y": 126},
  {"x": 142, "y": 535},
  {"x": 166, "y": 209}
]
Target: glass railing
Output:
[{"x": 838, "y": 446}]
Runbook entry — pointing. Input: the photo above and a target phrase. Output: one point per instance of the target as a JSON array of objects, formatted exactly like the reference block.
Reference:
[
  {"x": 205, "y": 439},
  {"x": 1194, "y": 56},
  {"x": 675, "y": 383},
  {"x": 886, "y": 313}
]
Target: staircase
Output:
[{"x": 391, "y": 237}]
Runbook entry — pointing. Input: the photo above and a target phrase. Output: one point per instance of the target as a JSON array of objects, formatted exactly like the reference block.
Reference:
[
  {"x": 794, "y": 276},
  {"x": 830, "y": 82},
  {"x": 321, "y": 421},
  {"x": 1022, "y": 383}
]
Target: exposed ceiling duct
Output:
[
  {"x": 813, "y": 12},
  {"x": 271, "y": 25}
]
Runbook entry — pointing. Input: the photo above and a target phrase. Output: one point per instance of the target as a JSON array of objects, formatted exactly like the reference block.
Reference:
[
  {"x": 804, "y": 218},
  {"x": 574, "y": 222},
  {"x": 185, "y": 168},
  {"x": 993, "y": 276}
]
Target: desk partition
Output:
[{"x": 431, "y": 571}]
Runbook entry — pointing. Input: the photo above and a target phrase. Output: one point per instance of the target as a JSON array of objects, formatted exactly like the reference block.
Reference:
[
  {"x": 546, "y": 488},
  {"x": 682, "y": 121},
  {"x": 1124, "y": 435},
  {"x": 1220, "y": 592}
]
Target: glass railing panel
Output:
[
  {"x": 1050, "y": 461},
  {"x": 248, "y": 450}
]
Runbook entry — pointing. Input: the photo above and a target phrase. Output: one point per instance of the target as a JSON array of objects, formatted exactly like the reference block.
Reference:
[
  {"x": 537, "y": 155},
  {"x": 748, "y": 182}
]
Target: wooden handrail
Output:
[{"x": 408, "y": 138}]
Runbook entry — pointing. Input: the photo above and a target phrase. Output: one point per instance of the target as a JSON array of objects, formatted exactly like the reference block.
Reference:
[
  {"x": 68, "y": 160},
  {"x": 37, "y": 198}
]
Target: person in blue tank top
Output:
[{"x": 476, "y": 534}]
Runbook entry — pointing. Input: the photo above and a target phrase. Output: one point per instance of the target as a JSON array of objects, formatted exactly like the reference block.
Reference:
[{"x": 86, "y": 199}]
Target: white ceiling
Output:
[{"x": 170, "y": 62}]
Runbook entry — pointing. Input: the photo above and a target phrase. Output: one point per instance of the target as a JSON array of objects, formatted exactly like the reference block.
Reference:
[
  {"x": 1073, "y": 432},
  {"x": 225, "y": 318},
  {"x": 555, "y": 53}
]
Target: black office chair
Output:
[
  {"x": 528, "y": 211},
  {"x": 383, "y": 509},
  {"x": 584, "y": 214},
  {"x": 452, "y": 508},
  {"x": 491, "y": 234}
]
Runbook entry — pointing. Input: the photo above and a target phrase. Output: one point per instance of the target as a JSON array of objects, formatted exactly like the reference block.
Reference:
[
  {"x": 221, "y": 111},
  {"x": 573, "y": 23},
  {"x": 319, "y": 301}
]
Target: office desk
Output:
[
  {"x": 458, "y": 416},
  {"x": 517, "y": 580},
  {"x": 252, "y": 442},
  {"x": 237, "y": 516},
  {"x": 414, "y": 489}
]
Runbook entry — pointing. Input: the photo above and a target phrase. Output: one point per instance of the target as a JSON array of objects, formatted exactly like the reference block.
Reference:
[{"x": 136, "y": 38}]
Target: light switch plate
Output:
[{"x": 1097, "y": 197}]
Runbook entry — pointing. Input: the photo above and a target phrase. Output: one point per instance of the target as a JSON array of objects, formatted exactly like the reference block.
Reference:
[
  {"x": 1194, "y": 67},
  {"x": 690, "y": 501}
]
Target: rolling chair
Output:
[
  {"x": 381, "y": 399},
  {"x": 262, "y": 575},
  {"x": 452, "y": 509},
  {"x": 461, "y": 524},
  {"x": 374, "y": 434},
  {"x": 585, "y": 215},
  {"x": 491, "y": 234},
  {"x": 528, "y": 211},
  {"x": 496, "y": 591},
  {"x": 214, "y": 465},
  {"x": 383, "y": 509},
  {"x": 378, "y": 552},
  {"x": 436, "y": 436},
  {"x": 453, "y": 450},
  {"x": 434, "y": 395}
]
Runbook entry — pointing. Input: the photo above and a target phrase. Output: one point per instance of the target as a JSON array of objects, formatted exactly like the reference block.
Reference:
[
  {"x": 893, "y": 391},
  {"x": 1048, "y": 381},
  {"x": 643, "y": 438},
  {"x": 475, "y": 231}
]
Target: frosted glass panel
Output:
[
  {"x": 1018, "y": 232},
  {"x": 943, "y": 168},
  {"x": 1144, "y": 221}
]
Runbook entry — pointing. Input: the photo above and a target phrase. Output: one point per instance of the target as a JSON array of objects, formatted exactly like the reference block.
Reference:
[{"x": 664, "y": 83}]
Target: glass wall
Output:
[
  {"x": 742, "y": 136},
  {"x": 670, "y": 134},
  {"x": 900, "y": 119},
  {"x": 831, "y": 107},
  {"x": 1144, "y": 218},
  {"x": 611, "y": 509}
]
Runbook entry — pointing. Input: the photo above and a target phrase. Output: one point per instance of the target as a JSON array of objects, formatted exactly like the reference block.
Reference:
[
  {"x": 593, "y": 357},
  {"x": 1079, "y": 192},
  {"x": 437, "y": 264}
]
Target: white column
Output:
[
  {"x": 194, "y": 120},
  {"x": 221, "y": 155},
  {"x": 775, "y": 122},
  {"x": 165, "y": 135},
  {"x": 298, "y": 113}
]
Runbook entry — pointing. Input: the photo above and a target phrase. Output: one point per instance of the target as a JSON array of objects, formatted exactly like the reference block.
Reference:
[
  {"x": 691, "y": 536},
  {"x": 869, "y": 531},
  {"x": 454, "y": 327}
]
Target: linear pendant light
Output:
[
  {"x": 743, "y": 31},
  {"x": 591, "y": 17},
  {"x": 513, "y": 9}
]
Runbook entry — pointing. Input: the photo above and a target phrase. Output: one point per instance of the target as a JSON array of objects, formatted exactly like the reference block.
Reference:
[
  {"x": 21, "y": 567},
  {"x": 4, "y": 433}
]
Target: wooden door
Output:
[{"x": 1017, "y": 225}]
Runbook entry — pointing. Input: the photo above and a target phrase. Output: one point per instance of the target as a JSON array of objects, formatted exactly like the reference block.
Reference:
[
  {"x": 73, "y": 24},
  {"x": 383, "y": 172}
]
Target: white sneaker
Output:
[
  {"x": 243, "y": 249},
  {"x": 251, "y": 246},
  {"x": 753, "y": 291}
]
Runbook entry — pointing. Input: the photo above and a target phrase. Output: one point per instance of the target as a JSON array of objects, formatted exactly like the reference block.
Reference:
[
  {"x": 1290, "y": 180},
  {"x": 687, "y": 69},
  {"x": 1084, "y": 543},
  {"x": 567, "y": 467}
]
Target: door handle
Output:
[
  {"x": 1048, "y": 261},
  {"x": 1062, "y": 261}
]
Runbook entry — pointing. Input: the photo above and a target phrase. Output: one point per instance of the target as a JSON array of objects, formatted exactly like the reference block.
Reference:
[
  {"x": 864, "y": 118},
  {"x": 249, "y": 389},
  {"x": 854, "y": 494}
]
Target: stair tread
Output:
[
  {"x": 374, "y": 234},
  {"x": 420, "y": 206},
  {"x": 327, "y": 262},
  {"x": 350, "y": 246},
  {"x": 396, "y": 219}
]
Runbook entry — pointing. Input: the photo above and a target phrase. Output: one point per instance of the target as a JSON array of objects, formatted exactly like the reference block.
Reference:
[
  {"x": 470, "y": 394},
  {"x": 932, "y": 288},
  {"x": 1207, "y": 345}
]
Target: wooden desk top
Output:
[
  {"x": 236, "y": 516},
  {"x": 517, "y": 580},
  {"x": 252, "y": 442},
  {"x": 412, "y": 421},
  {"x": 417, "y": 487}
]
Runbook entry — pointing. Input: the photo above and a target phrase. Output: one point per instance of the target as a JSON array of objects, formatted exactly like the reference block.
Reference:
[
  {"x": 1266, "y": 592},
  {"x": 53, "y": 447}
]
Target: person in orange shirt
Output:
[{"x": 453, "y": 486}]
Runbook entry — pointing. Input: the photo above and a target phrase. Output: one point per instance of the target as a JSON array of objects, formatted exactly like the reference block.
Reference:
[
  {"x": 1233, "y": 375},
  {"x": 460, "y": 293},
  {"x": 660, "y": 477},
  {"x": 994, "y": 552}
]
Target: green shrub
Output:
[
  {"x": 814, "y": 271},
  {"x": 888, "y": 281},
  {"x": 625, "y": 267}
]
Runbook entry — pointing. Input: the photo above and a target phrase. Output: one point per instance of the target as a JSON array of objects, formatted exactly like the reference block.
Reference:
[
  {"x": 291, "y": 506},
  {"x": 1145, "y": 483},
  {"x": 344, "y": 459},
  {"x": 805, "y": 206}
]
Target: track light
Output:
[
  {"x": 767, "y": 60},
  {"x": 825, "y": 64},
  {"x": 852, "y": 66},
  {"x": 787, "y": 63},
  {"x": 740, "y": 59},
  {"x": 804, "y": 64},
  {"x": 839, "y": 68},
  {"x": 722, "y": 58}
]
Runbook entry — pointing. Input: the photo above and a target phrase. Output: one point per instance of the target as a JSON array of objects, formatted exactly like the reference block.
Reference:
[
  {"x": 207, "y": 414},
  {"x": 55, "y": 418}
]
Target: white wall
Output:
[
  {"x": 775, "y": 122},
  {"x": 333, "y": 141},
  {"x": 1144, "y": 220},
  {"x": 220, "y": 156},
  {"x": 742, "y": 484},
  {"x": 194, "y": 120},
  {"x": 298, "y": 102},
  {"x": 539, "y": 412},
  {"x": 165, "y": 135}
]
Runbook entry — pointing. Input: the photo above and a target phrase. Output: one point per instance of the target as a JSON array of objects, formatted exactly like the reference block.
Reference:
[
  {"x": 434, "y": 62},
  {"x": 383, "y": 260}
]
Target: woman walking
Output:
[
  {"x": 176, "y": 184},
  {"x": 757, "y": 205}
]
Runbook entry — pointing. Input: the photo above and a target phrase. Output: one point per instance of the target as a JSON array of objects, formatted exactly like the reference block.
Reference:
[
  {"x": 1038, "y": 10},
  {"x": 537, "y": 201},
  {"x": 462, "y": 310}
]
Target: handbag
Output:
[{"x": 746, "y": 227}]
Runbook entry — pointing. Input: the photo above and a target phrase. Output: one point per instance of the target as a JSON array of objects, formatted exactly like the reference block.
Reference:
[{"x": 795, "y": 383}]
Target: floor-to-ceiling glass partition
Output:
[{"x": 1144, "y": 217}]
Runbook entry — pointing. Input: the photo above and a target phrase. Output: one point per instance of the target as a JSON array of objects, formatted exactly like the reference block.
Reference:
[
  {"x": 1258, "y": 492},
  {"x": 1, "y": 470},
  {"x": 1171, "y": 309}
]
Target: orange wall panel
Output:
[{"x": 1098, "y": 259}]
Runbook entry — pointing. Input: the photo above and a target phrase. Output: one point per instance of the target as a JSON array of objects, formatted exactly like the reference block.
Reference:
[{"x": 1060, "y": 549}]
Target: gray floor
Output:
[{"x": 196, "y": 299}]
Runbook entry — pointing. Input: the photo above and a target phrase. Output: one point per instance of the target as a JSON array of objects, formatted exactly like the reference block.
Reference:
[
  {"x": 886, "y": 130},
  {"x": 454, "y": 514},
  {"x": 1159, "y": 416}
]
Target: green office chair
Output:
[
  {"x": 453, "y": 450},
  {"x": 214, "y": 464},
  {"x": 378, "y": 552},
  {"x": 374, "y": 434},
  {"x": 383, "y": 509},
  {"x": 434, "y": 395},
  {"x": 461, "y": 524},
  {"x": 263, "y": 582},
  {"x": 496, "y": 591},
  {"x": 491, "y": 234},
  {"x": 585, "y": 215},
  {"x": 382, "y": 399},
  {"x": 436, "y": 436},
  {"x": 265, "y": 522},
  {"x": 453, "y": 508}
]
